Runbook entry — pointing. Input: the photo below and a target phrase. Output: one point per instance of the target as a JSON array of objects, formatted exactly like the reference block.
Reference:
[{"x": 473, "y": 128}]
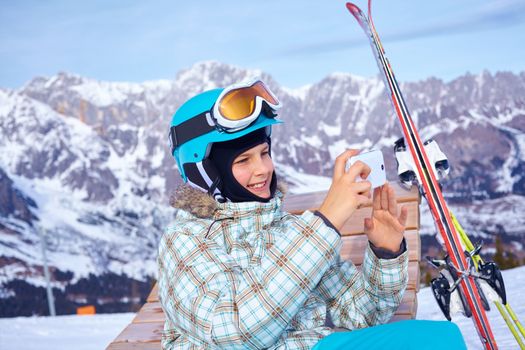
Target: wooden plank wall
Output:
[{"x": 144, "y": 332}]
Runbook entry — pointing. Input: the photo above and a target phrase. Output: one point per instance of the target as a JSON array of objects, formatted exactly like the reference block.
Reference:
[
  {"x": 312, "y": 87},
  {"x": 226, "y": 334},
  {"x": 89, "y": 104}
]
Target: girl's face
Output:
[{"x": 253, "y": 169}]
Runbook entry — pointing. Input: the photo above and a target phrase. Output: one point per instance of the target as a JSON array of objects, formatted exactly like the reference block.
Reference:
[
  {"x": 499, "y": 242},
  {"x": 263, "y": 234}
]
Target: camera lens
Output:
[{"x": 382, "y": 167}]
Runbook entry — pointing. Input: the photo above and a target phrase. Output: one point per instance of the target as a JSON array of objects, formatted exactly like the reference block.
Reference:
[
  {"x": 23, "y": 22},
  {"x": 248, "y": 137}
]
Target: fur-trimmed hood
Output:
[{"x": 202, "y": 205}]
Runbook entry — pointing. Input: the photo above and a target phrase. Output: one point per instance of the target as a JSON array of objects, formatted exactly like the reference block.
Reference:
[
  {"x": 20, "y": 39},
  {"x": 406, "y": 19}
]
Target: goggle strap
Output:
[
  {"x": 268, "y": 110},
  {"x": 190, "y": 129},
  {"x": 202, "y": 124},
  {"x": 193, "y": 173},
  {"x": 214, "y": 188},
  {"x": 204, "y": 176}
]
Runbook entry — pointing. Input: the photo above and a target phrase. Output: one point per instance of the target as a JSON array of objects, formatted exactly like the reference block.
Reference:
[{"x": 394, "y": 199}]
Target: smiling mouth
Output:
[{"x": 258, "y": 185}]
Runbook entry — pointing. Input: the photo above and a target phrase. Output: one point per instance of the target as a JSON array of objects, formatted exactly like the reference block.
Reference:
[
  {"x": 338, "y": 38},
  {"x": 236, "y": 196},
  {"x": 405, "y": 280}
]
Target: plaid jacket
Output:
[{"x": 250, "y": 276}]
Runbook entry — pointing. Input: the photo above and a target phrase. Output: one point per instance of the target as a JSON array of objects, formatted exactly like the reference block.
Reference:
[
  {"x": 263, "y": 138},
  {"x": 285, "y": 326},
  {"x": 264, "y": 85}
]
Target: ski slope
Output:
[{"x": 96, "y": 332}]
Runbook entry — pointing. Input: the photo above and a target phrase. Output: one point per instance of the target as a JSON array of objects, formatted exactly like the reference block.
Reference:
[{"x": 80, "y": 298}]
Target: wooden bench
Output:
[{"x": 144, "y": 332}]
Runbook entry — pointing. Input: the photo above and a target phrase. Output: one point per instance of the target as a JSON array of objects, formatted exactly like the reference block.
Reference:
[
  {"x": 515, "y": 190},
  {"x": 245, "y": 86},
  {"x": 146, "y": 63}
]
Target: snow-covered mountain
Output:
[{"x": 86, "y": 163}]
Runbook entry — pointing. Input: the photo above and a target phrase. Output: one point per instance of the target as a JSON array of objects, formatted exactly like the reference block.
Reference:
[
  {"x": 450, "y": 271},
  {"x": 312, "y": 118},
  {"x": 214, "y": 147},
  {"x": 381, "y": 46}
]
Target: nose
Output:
[{"x": 261, "y": 166}]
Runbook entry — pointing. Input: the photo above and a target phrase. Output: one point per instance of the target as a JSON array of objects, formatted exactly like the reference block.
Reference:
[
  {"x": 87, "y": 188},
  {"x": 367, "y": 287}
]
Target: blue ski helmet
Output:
[{"x": 193, "y": 132}]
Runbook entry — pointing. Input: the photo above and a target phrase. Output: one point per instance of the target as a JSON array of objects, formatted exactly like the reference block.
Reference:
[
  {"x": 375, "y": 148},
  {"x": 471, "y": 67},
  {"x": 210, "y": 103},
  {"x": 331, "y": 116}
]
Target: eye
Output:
[{"x": 240, "y": 161}]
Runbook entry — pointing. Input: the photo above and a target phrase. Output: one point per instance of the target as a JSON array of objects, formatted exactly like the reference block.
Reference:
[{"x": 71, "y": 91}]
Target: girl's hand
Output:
[
  {"x": 385, "y": 228},
  {"x": 345, "y": 194}
]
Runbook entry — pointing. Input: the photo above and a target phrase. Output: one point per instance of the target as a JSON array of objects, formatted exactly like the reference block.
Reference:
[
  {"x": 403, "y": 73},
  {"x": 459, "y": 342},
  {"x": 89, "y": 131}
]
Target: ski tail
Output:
[{"x": 508, "y": 321}]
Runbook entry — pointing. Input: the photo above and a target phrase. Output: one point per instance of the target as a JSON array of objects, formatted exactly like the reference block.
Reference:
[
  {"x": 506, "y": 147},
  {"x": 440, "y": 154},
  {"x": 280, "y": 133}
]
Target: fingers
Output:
[
  {"x": 359, "y": 169},
  {"x": 377, "y": 199},
  {"x": 340, "y": 162},
  {"x": 369, "y": 225},
  {"x": 384, "y": 197},
  {"x": 362, "y": 187},
  {"x": 403, "y": 216},
  {"x": 392, "y": 203},
  {"x": 362, "y": 200}
]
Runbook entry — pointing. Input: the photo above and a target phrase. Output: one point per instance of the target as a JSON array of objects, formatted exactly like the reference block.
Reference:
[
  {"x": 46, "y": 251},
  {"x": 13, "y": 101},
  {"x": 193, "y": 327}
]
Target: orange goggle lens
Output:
[{"x": 239, "y": 103}]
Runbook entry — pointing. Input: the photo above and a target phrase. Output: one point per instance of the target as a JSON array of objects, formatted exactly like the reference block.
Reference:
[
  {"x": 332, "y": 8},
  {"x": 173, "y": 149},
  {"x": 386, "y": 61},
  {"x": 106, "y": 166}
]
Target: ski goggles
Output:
[
  {"x": 236, "y": 108},
  {"x": 239, "y": 105}
]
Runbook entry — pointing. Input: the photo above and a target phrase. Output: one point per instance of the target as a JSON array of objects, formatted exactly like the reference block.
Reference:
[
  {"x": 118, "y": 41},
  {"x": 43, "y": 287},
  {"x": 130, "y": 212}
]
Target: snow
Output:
[
  {"x": 97, "y": 331},
  {"x": 51, "y": 81},
  {"x": 65, "y": 216},
  {"x": 61, "y": 332},
  {"x": 299, "y": 92},
  {"x": 478, "y": 218},
  {"x": 105, "y": 94},
  {"x": 330, "y": 130},
  {"x": 313, "y": 141},
  {"x": 349, "y": 76},
  {"x": 304, "y": 183},
  {"x": 156, "y": 158},
  {"x": 374, "y": 88},
  {"x": 338, "y": 147},
  {"x": 6, "y": 103},
  {"x": 515, "y": 284}
]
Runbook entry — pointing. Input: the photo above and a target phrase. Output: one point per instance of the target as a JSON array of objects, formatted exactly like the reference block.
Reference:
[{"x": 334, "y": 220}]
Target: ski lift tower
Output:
[{"x": 42, "y": 232}]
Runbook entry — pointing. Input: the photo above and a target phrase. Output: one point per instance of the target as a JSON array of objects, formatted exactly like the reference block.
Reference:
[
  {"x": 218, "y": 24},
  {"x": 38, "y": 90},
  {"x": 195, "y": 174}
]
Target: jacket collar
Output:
[
  {"x": 251, "y": 216},
  {"x": 201, "y": 205}
]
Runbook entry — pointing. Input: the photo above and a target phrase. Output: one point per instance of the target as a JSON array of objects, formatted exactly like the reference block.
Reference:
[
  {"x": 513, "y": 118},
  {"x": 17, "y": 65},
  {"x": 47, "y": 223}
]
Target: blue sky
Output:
[{"x": 297, "y": 42}]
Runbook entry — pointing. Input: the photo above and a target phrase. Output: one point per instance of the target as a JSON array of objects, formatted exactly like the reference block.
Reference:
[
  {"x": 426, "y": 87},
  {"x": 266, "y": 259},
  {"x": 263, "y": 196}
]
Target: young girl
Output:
[{"x": 236, "y": 272}]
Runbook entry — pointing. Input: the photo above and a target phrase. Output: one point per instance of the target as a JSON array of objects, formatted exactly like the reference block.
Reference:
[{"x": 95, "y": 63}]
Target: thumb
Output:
[{"x": 369, "y": 225}]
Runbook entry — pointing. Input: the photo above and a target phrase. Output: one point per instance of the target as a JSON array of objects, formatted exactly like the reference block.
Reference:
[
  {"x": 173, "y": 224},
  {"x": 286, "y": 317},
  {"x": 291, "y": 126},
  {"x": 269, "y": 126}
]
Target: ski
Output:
[
  {"x": 488, "y": 277},
  {"x": 429, "y": 186},
  {"x": 491, "y": 270}
]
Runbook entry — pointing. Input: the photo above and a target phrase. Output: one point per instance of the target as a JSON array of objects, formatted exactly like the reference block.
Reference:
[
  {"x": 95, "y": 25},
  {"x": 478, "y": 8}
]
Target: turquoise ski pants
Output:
[{"x": 402, "y": 335}]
